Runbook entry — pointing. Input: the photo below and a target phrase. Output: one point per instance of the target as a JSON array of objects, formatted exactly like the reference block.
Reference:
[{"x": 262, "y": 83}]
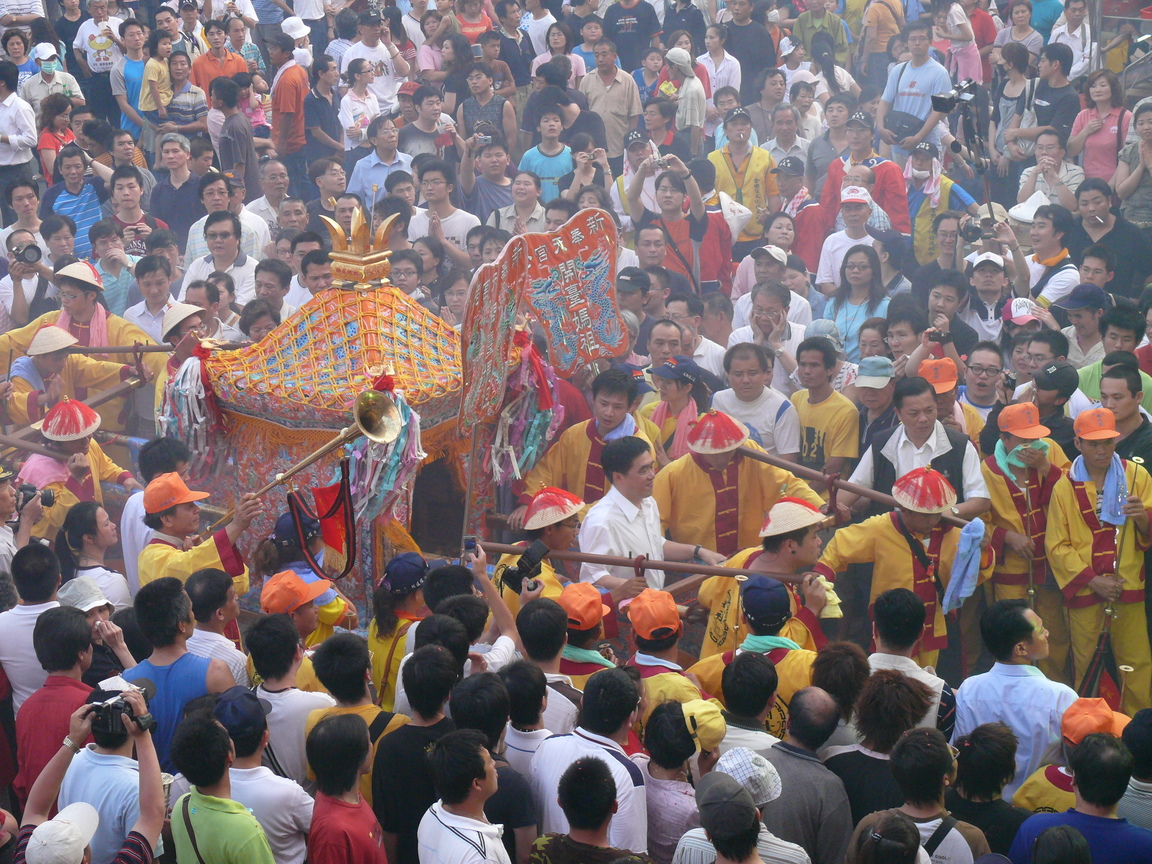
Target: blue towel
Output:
[
  {"x": 966, "y": 567},
  {"x": 1115, "y": 494}
]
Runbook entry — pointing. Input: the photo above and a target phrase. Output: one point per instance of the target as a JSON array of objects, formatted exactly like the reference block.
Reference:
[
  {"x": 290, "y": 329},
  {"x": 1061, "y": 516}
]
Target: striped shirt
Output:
[
  {"x": 188, "y": 106},
  {"x": 205, "y": 643},
  {"x": 1136, "y": 805},
  {"x": 695, "y": 848},
  {"x": 85, "y": 211}
]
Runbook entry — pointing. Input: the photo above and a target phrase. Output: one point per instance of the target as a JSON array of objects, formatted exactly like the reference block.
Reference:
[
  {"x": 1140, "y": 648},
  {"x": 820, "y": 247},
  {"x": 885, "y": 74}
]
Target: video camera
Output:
[
  {"x": 963, "y": 93},
  {"x": 29, "y": 254},
  {"x": 527, "y": 566},
  {"x": 107, "y": 714}
]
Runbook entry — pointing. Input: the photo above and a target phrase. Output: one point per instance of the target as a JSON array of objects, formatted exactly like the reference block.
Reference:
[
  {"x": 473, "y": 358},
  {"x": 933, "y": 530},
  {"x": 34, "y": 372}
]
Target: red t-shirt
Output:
[
  {"x": 343, "y": 832},
  {"x": 288, "y": 97},
  {"x": 473, "y": 31},
  {"x": 984, "y": 29},
  {"x": 42, "y": 724},
  {"x": 52, "y": 141}
]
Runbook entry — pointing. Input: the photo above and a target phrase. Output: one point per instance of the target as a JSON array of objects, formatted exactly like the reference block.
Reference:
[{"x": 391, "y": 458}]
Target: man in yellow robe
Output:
[
  {"x": 656, "y": 623},
  {"x": 1098, "y": 532},
  {"x": 572, "y": 462},
  {"x": 82, "y": 315},
  {"x": 47, "y": 373},
  {"x": 910, "y": 548},
  {"x": 1020, "y": 476},
  {"x": 76, "y": 474},
  {"x": 553, "y": 519},
  {"x": 790, "y": 547},
  {"x": 715, "y": 496},
  {"x": 170, "y": 510}
]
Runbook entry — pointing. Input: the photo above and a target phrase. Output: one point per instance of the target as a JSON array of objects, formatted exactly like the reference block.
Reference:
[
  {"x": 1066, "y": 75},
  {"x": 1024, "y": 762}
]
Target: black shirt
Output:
[
  {"x": 588, "y": 122},
  {"x": 1055, "y": 106},
  {"x": 631, "y": 30},
  {"x": 512, "y": 805},
  {"x": 870, "y": 429},
  {"x": 868, "y": 782},
  {"x": 518, "y": 56},
  {"x": 105, "y": 664},
  {"x": 1138, "y": 443},
  {"x": 1133, "y": 257},
  {"x": 690, "y": 19},
  {"x": 752, "y": 45},
  {"x": 402, "y": 787},
  {"x": 321, "y": 114},
  {"x": 998, "y": 819},
  {"x": 530, "y": 122}
]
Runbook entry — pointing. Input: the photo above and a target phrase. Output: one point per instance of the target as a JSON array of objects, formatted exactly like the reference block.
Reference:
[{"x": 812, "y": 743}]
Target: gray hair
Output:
[
  {"x": 631, "y": 322},
  {"x": 92, "y": 3},
  {"x": 176, "y": 138},
  {"x": 787, "y": 106}
]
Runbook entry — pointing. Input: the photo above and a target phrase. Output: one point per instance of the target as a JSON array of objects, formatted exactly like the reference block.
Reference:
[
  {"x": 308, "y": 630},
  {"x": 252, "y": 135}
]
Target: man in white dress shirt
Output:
[
  {"x": 626, "y": 522},
  {"x": 222, "y": 231},
  {"x": 612, "y": 705},
  {"x": 1077, "y": 35},
  {"x": 18, "y": 134},
  {"x": 1014, "y": 691}
]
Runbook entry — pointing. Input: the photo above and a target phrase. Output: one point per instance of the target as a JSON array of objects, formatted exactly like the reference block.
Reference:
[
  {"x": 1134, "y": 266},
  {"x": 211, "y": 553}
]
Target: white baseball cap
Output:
[
  {"x": 63, "y": 840},
  {"x": 855, "y": 195},
  {"x": 45, "y": 51},
  {"x": 295, "y": 27}
]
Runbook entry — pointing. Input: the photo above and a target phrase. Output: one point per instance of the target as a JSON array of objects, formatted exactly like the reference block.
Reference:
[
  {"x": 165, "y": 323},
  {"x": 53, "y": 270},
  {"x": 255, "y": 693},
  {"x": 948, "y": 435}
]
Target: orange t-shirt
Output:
[
  {"x": 206, "y": 69},
  {"x": 473, "y": 30},
  {"x": 288, "y": 97}
]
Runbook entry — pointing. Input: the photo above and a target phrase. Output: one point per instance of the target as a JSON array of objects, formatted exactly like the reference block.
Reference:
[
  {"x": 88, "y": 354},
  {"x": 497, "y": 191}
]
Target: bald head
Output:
[
  {"x": 812, "y": 718},
  {"x": 860, "y": 175}
]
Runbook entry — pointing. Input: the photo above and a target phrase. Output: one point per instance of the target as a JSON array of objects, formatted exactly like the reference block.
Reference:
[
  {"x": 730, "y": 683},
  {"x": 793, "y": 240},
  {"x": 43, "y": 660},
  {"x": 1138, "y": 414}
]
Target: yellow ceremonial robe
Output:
[
  {"x": 572, "y": 463},
  {"x": 662, "y": 684},
  {"x": 722, "y": 510},
  {"x": 330, "y": 615},
  {"x": 387, "y": 652},
  {"x": 720, "y": 596},
  {"x": 165, "y": 556},
  {"x": 71, "y": 491},
  {"x": 793, "y": 667},
  {"x": 120, "y": 332},
  {"x": 879, "y": 541},
  {"x": 80, "y": 372},
  {"x": 1080, "y": 547},
  {"x": 552, "y": 584},
  {"x": 1047, "y": 790}
]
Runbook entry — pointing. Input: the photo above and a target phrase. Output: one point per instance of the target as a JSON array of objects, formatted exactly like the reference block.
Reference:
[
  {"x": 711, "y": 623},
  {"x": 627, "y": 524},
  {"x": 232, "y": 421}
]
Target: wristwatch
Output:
[
  {"x": 776, "y": 352},
  {"x": 955, "y": 510}
]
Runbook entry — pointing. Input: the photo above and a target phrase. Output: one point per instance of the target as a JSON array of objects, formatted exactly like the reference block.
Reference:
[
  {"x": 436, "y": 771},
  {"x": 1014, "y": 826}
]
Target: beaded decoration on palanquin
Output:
[{"x": 307, "y": 372}]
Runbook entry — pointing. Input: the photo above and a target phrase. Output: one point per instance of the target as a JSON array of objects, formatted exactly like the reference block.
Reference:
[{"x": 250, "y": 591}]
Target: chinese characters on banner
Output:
[{"x": 568, "y": 279}]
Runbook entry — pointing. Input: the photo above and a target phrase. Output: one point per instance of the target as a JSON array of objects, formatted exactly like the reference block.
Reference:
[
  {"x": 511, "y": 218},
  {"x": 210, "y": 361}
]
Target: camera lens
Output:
[{"x": 30, "y": 254}]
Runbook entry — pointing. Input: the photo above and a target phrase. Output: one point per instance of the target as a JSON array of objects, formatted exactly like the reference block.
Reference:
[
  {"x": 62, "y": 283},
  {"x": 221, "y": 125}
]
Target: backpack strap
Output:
[
  {"x": 946, "y": 826},
  {"x": 376, "y": 727},
  {"x": 401, "y": 633},
  {"x": 188, "y": 826}
]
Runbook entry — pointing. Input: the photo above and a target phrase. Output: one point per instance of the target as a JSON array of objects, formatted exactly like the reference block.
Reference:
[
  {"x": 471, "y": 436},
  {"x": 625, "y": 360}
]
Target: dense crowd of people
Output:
[{"x": 900, "y": 243}]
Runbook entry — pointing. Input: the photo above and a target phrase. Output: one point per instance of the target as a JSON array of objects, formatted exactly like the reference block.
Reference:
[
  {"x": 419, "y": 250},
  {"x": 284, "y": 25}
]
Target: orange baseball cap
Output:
[
  {"x": 1023, "y": 421},
  {"x": 583, "y": 604},
  {"x": 166, "y": 491},
  {"x": 941, "y": 374},
  {"x": 287, "y": 592},
  {"x": 1086, "y": 716},
  {"x": 1095, "y": 424},
  {"x": 654, "y": 614}
]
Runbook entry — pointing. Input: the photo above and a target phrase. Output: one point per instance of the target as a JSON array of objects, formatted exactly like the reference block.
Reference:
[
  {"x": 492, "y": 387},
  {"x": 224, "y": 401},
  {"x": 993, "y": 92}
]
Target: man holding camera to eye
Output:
[{"x": 12, "y": 511}]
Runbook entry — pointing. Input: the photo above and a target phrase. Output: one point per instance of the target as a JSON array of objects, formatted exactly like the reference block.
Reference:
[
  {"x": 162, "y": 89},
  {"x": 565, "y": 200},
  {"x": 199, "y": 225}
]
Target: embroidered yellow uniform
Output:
[
  {"x": 547, "y": 577},
  {"x": 1081, "y": 547},
  {"x": 165, "y": 556},
  {"x": 387, "y": 652},
  {"x": 79, "y": 372},
  {"x": 722, "y": 510}
]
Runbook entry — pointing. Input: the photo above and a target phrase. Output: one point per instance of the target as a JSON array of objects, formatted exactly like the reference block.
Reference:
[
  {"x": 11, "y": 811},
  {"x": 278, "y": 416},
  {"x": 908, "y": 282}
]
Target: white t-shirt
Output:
[
  {"x": 17, "y": 656},
  {"x": 1057, "y": 288},
  {"x": 772, "y": 415},
  {"x": 708, "y": 355},
  {"x": 28, "y": 285},
  {"x": 99, "y": 51},
  {"x": 290, "y": 710},
  {"x": 537, "y": 30},
  {"x": 281, "y": 806},
  {"x": 799, "y": 309},
  {"x": 456, "y": 227},
  {"x": 836, "y": 246},
  {"x": 384, "y": 84},
  {"x": 134, "y": 536}
]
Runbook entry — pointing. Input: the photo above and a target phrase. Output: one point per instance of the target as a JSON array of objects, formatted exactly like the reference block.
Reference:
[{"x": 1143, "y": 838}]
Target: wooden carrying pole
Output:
[{"x": 113, "y": 392}]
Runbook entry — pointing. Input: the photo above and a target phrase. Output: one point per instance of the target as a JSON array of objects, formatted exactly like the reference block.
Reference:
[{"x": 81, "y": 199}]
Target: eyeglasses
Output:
[
  {"x": 864, "y": 266},
  {"x": 573, "y": 524},
  {"x": 436, "y": 182},
  {"x": 404, "y": 273},
  {"x": 985, "y": 371}
]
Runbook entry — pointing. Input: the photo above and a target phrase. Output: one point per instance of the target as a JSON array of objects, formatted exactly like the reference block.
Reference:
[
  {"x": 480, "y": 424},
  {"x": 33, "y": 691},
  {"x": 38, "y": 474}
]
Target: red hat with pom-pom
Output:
[
  {"x": 715, "y": 432},
  {"x": 549, "y": 506},
  {"x": 69, "y": 421},
  {"x": 924, "y": 490}
]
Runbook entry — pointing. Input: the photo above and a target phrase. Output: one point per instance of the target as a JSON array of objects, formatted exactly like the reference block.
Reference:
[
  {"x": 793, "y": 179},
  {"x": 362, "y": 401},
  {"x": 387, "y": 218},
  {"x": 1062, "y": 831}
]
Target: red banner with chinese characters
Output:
[{"x": 568, "y": 280}]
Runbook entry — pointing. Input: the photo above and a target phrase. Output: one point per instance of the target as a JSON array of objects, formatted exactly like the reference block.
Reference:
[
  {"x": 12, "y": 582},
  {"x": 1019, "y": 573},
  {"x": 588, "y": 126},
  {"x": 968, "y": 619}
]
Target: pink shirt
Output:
[{"x": 1100, "y": 148}]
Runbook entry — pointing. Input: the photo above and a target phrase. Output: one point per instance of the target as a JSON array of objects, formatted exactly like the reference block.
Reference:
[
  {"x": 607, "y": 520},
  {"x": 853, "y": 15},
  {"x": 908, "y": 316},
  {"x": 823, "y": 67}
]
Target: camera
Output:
[
  {"x": 972, "y": 232},
  {"x": 483, "y": 140},
  {"x": 962, "y": 94},
  {"x": 527, "y": 566},
  {"x": 25, "y": 492},
  {"x": 660, "y": 164},
  {"x": 30, "y": 254},
  {"x": 107, "y": 714}
]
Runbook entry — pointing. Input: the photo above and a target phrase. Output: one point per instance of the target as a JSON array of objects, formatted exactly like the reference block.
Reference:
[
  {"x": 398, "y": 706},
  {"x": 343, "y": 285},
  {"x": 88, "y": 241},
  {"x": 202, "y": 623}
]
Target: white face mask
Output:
[
  {"x": 920, "y": 175},
  {"x": 303, "y": 56}
]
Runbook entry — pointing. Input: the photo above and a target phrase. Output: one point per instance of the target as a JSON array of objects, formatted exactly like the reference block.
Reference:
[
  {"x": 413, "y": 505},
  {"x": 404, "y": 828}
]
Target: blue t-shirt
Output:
[
  {"x": 177, "y": 684},
  {"x": 548, "y": 168},
  {"x": 1112, "y": 841},
  {"x": 917, "y": 85},
  {"x": 849, "y": 318},
  {"x": 133, "y": 81},
  {"x": 1045, "y": 14}
]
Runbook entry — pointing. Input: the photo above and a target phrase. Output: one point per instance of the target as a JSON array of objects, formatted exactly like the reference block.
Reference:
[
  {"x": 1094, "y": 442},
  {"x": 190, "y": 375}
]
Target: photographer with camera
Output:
[
  {"x": 67, "y": 839},
  {"x": 551, "y": 522},
  {"x": 23, "y": 505}
]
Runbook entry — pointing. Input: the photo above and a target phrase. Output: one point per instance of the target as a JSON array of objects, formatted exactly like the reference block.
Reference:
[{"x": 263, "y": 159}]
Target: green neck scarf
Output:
[
  {"x": 1006, "y": 461},
  {"x": 587, "y": 655},
  {"x": 764, "y": 644}
]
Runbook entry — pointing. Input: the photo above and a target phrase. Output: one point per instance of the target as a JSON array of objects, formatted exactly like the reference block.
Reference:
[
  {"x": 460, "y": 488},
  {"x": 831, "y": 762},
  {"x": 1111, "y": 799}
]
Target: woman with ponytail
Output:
[
  {"x": 831, "y": 77},
  {"x": 284, "y": 550},
  {"x": 398, "y": 606},
  {"x": 894, "y": 839},
  {"x": 87, "y": 534}
]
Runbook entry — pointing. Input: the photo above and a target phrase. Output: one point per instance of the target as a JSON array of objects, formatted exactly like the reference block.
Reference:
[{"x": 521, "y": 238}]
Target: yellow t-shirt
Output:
[
  {"x": 368, "y": 713},
  {"x": 828, "y": 429},
  {"x": 155, "y": 70}
]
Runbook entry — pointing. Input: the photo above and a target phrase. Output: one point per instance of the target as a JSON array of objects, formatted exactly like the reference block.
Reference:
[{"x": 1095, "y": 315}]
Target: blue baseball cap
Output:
[
  {"x": 1085, "y": 296},
  {"x": 679, "y": 368},
  {"x": 241, "y": 711},
  {"x": 637, "y": 374},
  {"x": 766, "y": 601},
  {"x": 405, "y": 573},
  {"x": 875, "y": 372}
]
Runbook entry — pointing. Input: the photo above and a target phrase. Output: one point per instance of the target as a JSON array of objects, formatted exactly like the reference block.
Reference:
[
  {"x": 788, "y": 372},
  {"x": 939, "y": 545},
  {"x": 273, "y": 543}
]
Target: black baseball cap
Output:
[
  {"x": 861, "y": 118},
  {"x": 633, "y": 279},
  {"x": 736, "y": 114},
  {"x": 793, "y": 166},
  {"x": 635, "y": 137},
  {"x": 927, "y": 147},
  {"x": 1059, "y": 375}
]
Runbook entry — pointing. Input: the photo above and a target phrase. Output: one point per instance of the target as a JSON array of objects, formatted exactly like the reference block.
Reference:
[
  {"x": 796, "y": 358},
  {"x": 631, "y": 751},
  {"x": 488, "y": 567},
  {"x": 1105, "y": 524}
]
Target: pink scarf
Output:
[
  {"x": 97, "y": 327},
  {"x": 798, "y": 200},
  {"x": 41, "y": 471},
  {"x": 684, "y": 422},
  {"x": 931, "y": 185}
]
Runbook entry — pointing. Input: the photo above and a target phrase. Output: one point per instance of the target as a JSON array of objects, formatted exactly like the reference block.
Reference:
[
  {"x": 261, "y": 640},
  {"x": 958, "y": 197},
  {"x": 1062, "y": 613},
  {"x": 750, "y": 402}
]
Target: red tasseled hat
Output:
[
  {"x": 69, "y": 421},
  {"x": 549, "y": 506},
  {"x": 715, "y": 432},
  {"x": 924, "y": 490}
]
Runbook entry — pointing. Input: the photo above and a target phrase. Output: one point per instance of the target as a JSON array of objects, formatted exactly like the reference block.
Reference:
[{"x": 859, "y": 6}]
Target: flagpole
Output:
[{"x": 468, "y": 508}]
